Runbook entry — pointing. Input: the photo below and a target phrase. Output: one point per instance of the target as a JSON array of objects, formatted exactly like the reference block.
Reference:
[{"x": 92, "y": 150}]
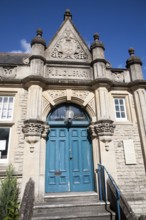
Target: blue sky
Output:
[{"x": 121, "y": 24}]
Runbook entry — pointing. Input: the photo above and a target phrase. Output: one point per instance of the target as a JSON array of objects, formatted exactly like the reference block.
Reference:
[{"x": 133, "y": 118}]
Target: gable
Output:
[{"x": 67, "y": 45}]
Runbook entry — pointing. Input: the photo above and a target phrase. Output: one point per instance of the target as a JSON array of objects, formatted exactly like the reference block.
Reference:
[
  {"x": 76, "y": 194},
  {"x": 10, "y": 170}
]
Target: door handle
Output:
[{"x": 70, "y": 154}]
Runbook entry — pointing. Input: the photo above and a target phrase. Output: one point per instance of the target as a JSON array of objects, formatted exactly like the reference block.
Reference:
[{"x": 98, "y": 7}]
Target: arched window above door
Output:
[{"x": 68, "y": 114}]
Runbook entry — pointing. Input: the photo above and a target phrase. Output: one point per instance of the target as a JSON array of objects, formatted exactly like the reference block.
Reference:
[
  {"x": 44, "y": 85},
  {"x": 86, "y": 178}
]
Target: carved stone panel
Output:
[
  {"x": 68, "y": 73},
  {"x": 7, "y": 73},
  {"x": 68, "y": 47},
  {"x": 118, "y": 77},
  {"x": 56, "y": 93}
]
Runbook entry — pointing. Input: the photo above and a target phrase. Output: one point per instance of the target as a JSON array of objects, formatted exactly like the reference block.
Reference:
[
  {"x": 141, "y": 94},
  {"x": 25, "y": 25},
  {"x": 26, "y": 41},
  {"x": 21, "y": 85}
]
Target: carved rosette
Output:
[
  {"x": 105, "y": 130},
  {"x": 33, "y": 130}
]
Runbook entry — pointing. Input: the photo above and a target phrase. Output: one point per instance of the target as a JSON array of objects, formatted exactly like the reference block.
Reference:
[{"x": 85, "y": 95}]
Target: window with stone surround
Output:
[
  {"x": 120, "y": 108},
  {"x": 6, "y": 117}
]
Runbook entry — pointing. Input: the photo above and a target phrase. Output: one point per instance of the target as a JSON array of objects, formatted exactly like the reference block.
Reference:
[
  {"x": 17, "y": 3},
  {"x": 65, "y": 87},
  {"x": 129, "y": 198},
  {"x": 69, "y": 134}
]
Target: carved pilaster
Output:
[
  {"x": 33, "y": 130},
  {"x": 105, "y": 130}
]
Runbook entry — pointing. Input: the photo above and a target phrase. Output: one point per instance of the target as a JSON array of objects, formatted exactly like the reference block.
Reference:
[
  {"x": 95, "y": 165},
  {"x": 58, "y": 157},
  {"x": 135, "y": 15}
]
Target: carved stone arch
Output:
[{"x": 84, "y": 99}]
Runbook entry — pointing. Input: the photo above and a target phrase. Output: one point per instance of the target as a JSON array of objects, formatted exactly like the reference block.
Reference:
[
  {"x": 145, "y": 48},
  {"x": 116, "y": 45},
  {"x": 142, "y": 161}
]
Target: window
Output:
[
  {"x": 6, "y": 115},
  {"x": 120, "y": 109},
  {"x": 6, "y": 107},
  {"x": 4, "y": 141}
]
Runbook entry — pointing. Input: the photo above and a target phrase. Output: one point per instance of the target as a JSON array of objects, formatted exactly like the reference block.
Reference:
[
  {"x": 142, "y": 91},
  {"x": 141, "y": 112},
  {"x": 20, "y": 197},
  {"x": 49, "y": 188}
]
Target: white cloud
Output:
[
  {"x": 26, "y": 48},
  {"x": 120, "y": 66}
]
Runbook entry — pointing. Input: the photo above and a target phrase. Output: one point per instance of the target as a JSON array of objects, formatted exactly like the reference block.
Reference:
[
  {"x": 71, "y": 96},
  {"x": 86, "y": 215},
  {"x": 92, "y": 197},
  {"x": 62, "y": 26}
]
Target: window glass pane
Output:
[
  {"x": 123, "y": 114},
  {"x": 5, "y": 99},
  {"x": 122, "y": 108},
  {"x": 117, "y": 108},
  {"x": 116, "y": 101},
  {"x": 11, "y": 100},
  {"x": 9, "y": 114},
  {"x": 4, "y": 139},
  {"x": 4, "y": 114},
  {"x": 0, "y": 99},
  {"x": 121, "y": 101},
  {"x": 118, "y": 114}
]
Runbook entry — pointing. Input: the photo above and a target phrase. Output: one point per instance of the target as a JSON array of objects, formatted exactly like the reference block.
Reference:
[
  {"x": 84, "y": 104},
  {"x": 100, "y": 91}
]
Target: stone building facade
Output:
[{"x": 64, "y": 109}]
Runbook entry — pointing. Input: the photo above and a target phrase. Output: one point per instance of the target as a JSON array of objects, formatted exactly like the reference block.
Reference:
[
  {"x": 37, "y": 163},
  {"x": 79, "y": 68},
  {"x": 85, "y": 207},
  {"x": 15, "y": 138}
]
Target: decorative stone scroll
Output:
[
  {"x": 67, "y": 47},
  {"x": 68, "y": 73},
  {"x": 33, "y": 129},
  {"x": 7, "y": 73}
]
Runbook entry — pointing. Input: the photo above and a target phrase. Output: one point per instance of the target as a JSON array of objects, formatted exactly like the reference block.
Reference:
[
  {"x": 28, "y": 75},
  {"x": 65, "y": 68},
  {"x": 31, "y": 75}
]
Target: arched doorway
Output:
[{"x": 69, "y": 163}]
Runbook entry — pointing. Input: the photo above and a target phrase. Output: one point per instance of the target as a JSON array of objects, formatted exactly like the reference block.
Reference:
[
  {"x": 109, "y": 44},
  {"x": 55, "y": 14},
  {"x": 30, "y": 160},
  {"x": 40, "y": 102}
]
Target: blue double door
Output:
[{"x": 69, "y": 164}]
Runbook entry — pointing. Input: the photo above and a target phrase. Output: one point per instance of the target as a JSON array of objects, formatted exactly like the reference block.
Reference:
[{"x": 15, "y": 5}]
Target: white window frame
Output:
[
  {"x": 7, "y": 119},
  {"x": 120, "y": 111}
]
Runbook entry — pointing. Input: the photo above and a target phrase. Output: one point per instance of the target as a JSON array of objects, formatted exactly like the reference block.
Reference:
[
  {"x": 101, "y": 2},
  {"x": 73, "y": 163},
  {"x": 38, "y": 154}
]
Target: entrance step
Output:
[{"x": 84, "y": 206}]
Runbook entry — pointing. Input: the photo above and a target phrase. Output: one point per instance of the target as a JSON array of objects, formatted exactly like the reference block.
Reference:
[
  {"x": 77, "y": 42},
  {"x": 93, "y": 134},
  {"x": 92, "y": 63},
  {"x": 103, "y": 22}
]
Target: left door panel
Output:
[{"x": 57, "y": 172}]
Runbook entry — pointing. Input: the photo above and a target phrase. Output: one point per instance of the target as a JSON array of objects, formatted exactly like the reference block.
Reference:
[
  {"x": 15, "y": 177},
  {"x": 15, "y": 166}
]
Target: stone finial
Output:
[
  {"x": 131, "y": 51},
  {"x": 38, "y": 39},
  {"x": 132, "y": 59},
  {"x": 96, "y": 36},
  {"x": 97, "y": 42},
  {"x": 39, "y": 32},
  {"x": 67, "y": 14}
]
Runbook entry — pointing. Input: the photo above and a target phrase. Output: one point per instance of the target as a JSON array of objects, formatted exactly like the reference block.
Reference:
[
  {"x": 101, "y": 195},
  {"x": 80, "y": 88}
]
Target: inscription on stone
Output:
[
  {"x": 129, "y": 151},
  {"x": 68, "y": 73}
]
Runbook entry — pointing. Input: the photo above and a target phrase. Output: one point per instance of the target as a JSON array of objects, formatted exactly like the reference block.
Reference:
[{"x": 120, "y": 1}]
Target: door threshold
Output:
[{"x": 68, "y": 194}]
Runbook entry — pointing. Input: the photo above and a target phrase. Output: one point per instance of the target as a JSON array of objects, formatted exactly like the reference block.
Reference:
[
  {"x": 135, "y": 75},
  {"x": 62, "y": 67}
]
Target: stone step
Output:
[
  {"x": 71, "y": 198},
  {"x": 72, "y": 206}
]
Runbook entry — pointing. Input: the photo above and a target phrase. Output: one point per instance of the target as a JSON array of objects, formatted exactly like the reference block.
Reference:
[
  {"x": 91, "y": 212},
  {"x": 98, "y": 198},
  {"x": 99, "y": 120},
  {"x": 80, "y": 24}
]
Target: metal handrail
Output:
[{"x": 102, "y": 188}]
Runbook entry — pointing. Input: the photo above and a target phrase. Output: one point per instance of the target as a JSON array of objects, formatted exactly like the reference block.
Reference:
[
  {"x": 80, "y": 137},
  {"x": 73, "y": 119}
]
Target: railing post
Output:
[
  {"x": 102, "y": 188},
  {"x": 99, "y": 182},
  {"x": 118, "y": 205}
]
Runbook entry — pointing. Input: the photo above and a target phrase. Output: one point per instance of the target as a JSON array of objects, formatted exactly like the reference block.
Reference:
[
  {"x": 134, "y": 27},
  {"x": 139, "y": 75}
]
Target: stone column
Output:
[
  {"x": 34, "y": 127},
  {"x": 99, "y": 62},
  {"x": 140, "y": 105},
  {"x": 102, "y": 103},
  {"x": 104, "y": 129}
]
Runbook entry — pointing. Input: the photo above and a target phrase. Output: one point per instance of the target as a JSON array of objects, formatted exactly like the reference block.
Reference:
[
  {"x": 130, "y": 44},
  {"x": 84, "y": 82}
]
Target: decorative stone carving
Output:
[
  {"x": 26, "y": 60},
  {"x": 67, "y": 47},
  {"x": 8, "y": 73},
  {"x": 33, "y": 129},
  {"x": 118, "y": 77},
  {"x": 68, "y": 73},
  {"x": 56, "y": 93},
  {"x": 91, "y": 131},
  {"x": 80, "y": 94},
  {"x": 105, "y": 129}
]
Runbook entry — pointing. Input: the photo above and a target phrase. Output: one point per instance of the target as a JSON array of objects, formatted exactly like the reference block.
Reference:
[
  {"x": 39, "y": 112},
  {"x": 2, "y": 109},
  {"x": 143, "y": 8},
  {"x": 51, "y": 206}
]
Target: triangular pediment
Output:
[{"x": 68, "y": 45}]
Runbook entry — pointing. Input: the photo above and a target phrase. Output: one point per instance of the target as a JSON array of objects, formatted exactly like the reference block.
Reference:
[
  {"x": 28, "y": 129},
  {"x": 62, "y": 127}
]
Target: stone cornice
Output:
[
  {"x": 68, "y": 63},
  {"x": 137, "y": 84},
  {"x": 37, "y": 57},
  {"x": 98, "y": 61},
  {"x": 92, "y": 84}
]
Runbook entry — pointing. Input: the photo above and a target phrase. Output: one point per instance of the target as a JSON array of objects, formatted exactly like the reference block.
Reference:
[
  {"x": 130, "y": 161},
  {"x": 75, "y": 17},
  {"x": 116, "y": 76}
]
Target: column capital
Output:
[{"x": 33, "y": 130}]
